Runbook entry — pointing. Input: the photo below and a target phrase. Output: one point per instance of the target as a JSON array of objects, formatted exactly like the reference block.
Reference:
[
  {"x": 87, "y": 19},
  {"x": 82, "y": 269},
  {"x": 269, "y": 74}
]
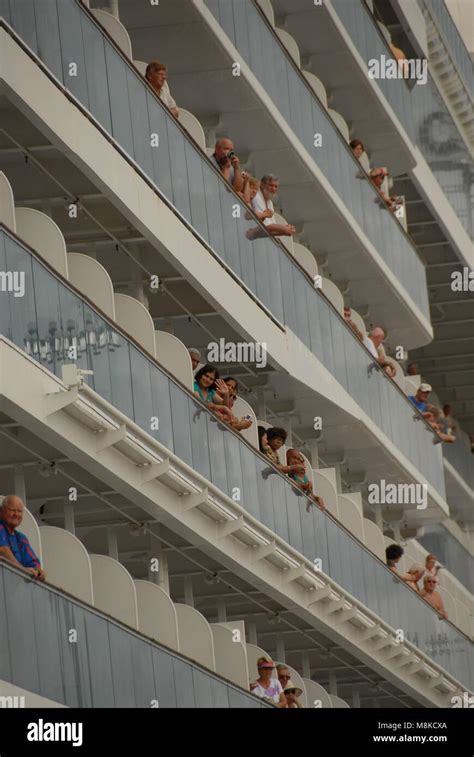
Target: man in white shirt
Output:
[
  {"x": 156, "y": 74},
  {"x": 374, "y": 343},
  {"x": 262, "y": 206}
]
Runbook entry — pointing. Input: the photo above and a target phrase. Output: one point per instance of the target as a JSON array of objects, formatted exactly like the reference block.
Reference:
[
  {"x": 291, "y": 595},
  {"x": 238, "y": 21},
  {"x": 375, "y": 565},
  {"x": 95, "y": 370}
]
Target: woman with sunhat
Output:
[
  {"x": 266, "y": 686},
  {"x": 292, "y": 693}
]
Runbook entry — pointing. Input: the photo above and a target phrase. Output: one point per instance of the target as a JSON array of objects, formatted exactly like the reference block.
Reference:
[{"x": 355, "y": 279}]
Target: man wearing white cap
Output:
[{"x": 420, "y": 399}]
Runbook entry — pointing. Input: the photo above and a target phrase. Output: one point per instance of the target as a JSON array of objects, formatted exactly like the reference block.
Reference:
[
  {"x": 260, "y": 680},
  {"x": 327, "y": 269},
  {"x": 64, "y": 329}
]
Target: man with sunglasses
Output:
[{"x": 291, "y": 692}]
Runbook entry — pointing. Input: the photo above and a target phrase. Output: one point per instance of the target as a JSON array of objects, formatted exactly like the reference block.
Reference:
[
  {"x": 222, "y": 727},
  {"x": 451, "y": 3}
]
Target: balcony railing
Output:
[
  {"x": 112, "y": 91},
  {"x": 96, "y": 672},
  {"x": 421, "y": 111},
  {"x": 52, "y": 316}
]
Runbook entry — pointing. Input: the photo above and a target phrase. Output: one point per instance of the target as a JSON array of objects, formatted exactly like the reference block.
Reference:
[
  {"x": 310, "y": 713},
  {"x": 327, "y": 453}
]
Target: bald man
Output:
[
  {"x": 14, "y": 545},
  {"x": 228, "y": 163},
  {"x": 374, "y": 343}
]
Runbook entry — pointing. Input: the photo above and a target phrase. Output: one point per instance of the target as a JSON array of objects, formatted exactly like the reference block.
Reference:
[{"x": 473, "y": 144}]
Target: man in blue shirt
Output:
[
  {"x": 14, "y": 545},
  {"x": 420, "y": 399}
]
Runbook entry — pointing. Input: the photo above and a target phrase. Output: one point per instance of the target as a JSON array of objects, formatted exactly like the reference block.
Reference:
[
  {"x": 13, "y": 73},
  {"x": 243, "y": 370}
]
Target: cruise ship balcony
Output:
[
  {"x": 199, "y": 458},
  {"x": 390, "y": 439},
  {"x": 275, "y": 116}
]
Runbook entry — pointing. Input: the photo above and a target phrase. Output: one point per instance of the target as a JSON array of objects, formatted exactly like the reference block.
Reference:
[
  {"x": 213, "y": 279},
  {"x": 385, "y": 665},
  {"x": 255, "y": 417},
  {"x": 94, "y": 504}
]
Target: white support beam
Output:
[
  {"x": 155, "y": 470},
  {"x": 112, "y": 543},
  {"x": 406, "y": 659},
  {"x": 264, "y": 550},
  {"x": 346, "y": 615},
  {"x": 395, "y": 651},
  {"x": 384, "y": 642},
  {"x": 334, "y": 606},
  {"x": 292, "y": 574},
  {"x": 59, "y": 400},
  {"x": 230, "y": 527},
  {"x": 107, "y": 439},
  {"x": 188, "y": 591},
  {"x": 416, "y": 667},
  {"x": 319, "y": 594},
  {"x": 435, "y": 681},
  {"x": 19, "y": 482},
  {"x": 280, "y": 649},
  {"x": 190, "y": 501},
  {"x": 69, "y": 521}
]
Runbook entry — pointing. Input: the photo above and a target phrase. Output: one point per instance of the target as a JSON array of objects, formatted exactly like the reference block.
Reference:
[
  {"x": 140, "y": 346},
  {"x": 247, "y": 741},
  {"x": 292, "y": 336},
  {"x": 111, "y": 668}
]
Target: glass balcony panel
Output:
[
  {"x": 282, "y": 511},
  {"x": 121, "y": 116},
  {"x": 72, "y": 45},
  {"x": 97, "y": 344},
  {"x": 143, "y": 414},
  {"x": 183, "y": 414},
  {"x": 22, "y": 324}
]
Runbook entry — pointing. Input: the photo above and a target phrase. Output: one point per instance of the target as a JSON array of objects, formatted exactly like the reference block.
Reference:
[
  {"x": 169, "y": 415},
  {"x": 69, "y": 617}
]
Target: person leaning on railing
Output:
[
  {"x": 213, "y": 391},
  {"x": 295, "y": 458},
  {"x": 262, "y": 205},
  {"x": 351, "y": 324},
  {"x": 393, "y": 555},
  {"x": 437, "y": 421},
  {"x": 357, "y": 148},
  {"x": 377, "y": 176},
  {"x": 374, "y": 342},
  {"x": 14, "y": 545},
  {"x": 156, "y": 75}
]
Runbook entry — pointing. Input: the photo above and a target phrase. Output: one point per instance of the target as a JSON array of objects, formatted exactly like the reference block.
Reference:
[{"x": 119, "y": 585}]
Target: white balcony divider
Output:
[
  {"x": 66, "y": 563},
  {"x": 114, "y": 589},
  {"x": 92, "y": 279}
]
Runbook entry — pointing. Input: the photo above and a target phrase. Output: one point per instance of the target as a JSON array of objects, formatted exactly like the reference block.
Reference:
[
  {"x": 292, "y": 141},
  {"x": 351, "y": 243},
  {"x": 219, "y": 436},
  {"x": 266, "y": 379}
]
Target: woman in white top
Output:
[
  {"x": 266, "y": 687},
  {"x": 156, "y": 74}
]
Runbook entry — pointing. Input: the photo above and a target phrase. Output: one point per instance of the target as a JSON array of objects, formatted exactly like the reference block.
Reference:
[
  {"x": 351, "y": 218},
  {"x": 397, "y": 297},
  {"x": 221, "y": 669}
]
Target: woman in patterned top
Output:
[{"x": 266, "y": 687}]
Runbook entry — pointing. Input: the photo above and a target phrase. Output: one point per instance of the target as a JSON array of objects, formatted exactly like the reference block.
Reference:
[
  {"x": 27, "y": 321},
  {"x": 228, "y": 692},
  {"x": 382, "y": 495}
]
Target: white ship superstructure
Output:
[{"x": 176, "y": 553}]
